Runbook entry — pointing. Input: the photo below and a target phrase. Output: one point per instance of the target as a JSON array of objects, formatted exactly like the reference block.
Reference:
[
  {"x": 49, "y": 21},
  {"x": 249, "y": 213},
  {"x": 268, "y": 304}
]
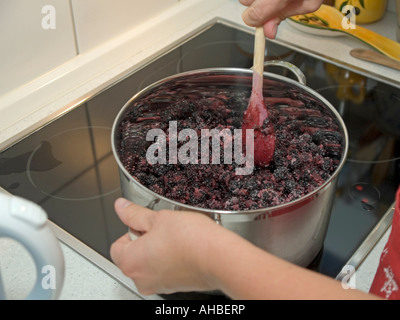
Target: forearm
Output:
[
  {"x": 183, "y": 251},
  {"x": 244, "y": 271}
]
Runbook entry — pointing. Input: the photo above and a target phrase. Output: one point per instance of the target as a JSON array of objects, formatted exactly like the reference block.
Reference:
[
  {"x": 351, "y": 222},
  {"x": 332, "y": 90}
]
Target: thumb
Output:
[
  {"x": 271, "y": 27},
  {"x": 134, "y": 216}
]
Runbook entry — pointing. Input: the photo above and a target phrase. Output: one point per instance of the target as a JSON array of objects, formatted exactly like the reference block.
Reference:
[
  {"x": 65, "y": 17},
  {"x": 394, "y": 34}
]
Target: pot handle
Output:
[{"x": 287, "y": 65}]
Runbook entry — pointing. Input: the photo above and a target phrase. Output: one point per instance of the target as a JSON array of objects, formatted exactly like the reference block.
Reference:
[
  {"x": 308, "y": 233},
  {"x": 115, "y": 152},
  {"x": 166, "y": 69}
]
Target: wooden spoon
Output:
[
  {"x": 376, "y": 57},
  {"x": 256, "y": 115},
  {"x": 328, "y": 18}
]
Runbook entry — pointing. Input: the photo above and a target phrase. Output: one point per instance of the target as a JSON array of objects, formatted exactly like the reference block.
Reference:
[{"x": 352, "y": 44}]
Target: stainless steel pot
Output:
[{"x": 294, "y": 231}]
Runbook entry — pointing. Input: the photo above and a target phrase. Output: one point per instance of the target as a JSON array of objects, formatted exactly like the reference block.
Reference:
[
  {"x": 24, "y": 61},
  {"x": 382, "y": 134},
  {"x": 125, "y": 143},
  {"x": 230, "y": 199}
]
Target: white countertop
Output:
[{"x": 74, "y": 81}]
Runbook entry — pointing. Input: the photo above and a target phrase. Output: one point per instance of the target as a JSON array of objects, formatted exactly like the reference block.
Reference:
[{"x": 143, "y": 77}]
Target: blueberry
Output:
[{"x": 308, "y": 146}]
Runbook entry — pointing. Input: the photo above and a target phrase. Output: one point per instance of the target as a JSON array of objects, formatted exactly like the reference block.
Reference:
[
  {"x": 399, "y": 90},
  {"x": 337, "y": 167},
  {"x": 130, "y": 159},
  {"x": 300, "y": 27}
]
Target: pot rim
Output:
[{"x": 232, "y": 71}]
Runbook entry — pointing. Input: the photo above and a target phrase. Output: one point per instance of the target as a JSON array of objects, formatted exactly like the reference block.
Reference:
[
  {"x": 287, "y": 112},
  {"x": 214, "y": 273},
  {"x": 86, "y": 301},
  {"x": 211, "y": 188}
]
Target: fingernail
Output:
[{"x": 122, "y": 203}]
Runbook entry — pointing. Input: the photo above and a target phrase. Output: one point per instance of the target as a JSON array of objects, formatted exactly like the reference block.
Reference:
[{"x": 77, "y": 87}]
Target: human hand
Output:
[
  {"x": 171, "y": 254},
  {"x": 182, "y": 251},
  {"x": 270, "y": 13}
]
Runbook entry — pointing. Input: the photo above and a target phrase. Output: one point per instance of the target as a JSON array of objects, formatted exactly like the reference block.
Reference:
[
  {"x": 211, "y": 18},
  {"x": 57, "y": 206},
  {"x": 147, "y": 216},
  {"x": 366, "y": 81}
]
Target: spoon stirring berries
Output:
[{"x": 256, "y": 116}]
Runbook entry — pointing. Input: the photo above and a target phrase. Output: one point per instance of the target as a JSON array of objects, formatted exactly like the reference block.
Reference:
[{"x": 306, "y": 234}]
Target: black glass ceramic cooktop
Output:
[{"x": 68, "y": 168}]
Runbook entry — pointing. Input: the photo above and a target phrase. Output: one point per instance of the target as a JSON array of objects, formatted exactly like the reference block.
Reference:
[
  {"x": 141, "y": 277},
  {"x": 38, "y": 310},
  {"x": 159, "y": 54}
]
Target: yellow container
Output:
[{"x": 367, "y": 10}]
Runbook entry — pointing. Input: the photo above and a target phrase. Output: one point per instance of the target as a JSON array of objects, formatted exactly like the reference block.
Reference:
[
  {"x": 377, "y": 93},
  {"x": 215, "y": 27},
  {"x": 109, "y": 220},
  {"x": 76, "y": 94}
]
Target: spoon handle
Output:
[
  {"x": 376, "y": 57},
  {"x": 259, "y": 56},
  {"x": 329, "y": 18},
  {"x": 384, "y": 45}
]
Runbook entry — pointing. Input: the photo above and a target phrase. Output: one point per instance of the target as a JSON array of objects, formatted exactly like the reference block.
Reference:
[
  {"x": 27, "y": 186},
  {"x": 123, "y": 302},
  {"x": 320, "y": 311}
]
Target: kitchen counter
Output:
[{"x": 57, "y": 91}]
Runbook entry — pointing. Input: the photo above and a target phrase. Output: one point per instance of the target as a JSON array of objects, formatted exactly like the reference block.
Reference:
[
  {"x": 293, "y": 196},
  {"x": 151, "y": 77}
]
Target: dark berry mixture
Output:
[{"x": 309, "y": 145}]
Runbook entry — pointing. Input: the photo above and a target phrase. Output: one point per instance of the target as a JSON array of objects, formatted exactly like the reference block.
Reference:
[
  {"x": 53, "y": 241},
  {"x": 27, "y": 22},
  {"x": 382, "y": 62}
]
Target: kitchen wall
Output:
[
  {"x": 97, "y": 21},
  {"x": 28, "y": 47},
  {"x": 36, "y": 36},
  {"x": 391, "y": 6}
]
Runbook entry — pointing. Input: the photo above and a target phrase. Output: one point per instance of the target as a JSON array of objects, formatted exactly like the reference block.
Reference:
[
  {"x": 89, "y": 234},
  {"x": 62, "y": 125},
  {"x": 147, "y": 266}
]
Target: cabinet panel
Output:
[
  {"x": 97, "y": 21},
  {"x": 35, "y": 37}
]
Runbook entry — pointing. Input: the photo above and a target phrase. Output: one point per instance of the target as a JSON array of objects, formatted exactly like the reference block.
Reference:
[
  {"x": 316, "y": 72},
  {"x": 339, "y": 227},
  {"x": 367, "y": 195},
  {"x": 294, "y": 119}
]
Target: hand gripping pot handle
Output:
[{"x": 27, "y": 223}]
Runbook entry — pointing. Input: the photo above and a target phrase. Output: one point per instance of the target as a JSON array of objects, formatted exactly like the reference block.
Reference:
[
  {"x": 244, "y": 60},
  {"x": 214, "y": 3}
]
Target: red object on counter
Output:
[{"x": 387, "y": 279}]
